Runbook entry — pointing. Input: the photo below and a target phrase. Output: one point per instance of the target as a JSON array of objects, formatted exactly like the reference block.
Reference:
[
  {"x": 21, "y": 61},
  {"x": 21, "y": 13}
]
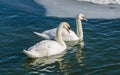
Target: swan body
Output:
[
  {"x": 49, "y": 47},
  {"x": 50, "y": 34}
]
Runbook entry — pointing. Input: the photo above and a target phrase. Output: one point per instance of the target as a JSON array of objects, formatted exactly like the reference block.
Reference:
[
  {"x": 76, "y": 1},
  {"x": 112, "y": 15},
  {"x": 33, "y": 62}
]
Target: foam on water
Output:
[
  {"x": 103, "y": 1},
  {"x": 69, "y": 8}
]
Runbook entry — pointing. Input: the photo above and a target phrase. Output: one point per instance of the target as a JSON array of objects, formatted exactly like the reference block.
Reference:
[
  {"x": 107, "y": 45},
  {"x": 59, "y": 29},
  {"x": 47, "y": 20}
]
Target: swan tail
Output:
[
  {"x": 29, "y": 54},
  {"x": 41, "y": 35}
]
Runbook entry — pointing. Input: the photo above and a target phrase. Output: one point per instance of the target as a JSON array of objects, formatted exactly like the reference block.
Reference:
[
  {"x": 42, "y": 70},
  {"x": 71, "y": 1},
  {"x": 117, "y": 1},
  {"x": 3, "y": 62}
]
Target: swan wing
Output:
[
  {"x": 48, "y": 34},
  {"x": 69, "y": 36},
  {"x": 44, "y": 48},
  {"x": 42, "y": 35}
]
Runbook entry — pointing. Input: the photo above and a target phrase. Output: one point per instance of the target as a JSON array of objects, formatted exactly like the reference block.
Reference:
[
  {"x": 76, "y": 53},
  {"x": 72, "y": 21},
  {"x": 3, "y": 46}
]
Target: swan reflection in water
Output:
[
  {"x": 72, "y": 60},
  {"x": 63, "y": 63}
]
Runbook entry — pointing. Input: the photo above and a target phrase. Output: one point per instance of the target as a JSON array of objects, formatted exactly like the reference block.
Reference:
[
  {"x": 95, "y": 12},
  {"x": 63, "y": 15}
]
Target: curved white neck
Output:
[
  {"x": 79, "y": 29},
  {"x": 59, "y": 38}
]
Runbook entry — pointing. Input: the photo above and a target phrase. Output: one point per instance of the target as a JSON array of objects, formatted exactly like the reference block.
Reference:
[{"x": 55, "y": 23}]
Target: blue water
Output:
[{"x": 100, "y": 54}]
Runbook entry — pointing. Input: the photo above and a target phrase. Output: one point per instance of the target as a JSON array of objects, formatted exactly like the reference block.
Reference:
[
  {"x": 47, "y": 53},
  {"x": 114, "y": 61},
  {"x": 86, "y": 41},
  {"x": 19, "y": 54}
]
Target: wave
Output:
[
  {"x": 69, "y": 8},
  {"x": 28, "y": 6},
  {"x": 102, "y": 1}
]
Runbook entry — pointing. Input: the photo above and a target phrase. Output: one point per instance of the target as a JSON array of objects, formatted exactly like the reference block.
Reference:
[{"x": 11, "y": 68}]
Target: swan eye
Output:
[{"x": 68, "y": 27}]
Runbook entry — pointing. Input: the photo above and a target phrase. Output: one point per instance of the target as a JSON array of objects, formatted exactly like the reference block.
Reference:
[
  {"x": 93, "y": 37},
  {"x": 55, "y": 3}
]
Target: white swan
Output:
[
  {"x": 50, "y": 34},
  {"x": 49, "y": 47}
]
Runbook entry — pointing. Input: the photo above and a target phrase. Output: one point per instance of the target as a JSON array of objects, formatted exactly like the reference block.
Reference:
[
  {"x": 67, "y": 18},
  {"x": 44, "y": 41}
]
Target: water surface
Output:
[{"x": 99, "y": 55}]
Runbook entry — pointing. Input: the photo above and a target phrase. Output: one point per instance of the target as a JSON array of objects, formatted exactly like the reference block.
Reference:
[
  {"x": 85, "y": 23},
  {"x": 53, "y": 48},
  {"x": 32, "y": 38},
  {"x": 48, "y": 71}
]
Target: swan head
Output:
[
  {"x": 66, "y": 26},
  {"x": 81, "y": 17}
]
